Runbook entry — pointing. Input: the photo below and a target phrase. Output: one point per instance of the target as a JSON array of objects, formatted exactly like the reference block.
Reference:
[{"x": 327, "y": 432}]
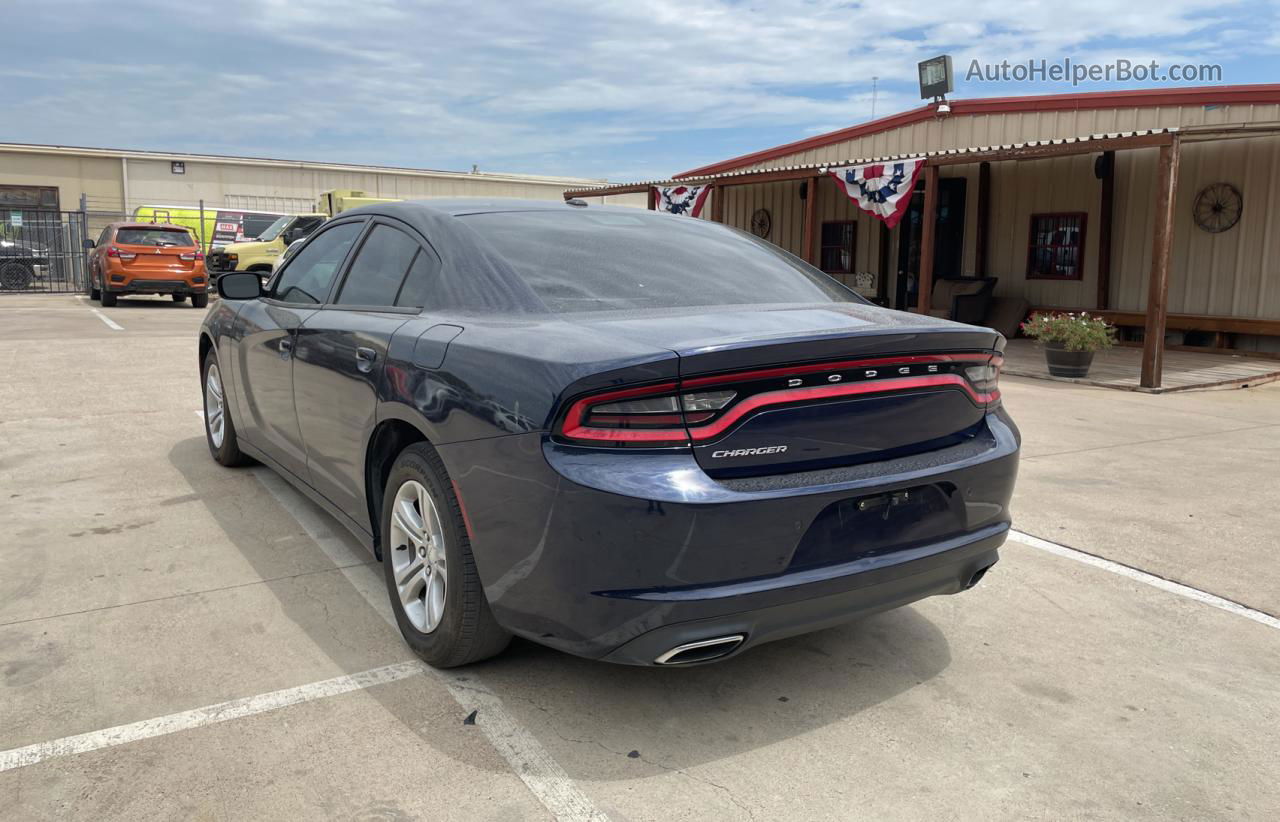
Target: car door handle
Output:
[
  {"x": 365, "y": 358},
  {"x": 286, "y": 348}
]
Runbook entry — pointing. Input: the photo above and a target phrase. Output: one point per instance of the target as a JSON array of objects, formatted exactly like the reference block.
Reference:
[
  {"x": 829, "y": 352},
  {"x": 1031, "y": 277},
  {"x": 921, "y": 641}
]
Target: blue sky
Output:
[{"x": 620, "y": 90}]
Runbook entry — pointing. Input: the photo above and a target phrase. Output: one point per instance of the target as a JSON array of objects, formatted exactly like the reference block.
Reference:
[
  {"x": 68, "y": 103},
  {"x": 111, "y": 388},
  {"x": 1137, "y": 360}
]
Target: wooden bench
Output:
[{"x": 1215, "y": 325}]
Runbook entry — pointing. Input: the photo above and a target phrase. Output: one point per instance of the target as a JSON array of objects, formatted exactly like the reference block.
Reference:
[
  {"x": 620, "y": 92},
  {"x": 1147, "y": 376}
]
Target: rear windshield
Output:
[
  {"x": 153, "y": 236},
  {"x": 593, "y": 261}
]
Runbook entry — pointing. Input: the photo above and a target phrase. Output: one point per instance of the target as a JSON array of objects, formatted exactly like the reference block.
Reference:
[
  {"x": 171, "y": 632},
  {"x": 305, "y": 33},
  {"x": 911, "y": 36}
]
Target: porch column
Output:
[
  {"x": 810, "y": 222},
  {"x": 984, "y": 219},
  {"x": 1105, "y": 211},
  {"x": 1161, "y": 251},
  {"x": 653, "y": 198},
  {"x": 717, "y": 202},
  {"x": 927, "y": 231}
]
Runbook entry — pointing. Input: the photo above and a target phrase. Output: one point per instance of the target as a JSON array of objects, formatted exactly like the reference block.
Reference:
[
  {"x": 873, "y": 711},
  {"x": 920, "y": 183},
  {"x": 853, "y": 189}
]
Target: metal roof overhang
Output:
[{"x": 1029, "y": 150}]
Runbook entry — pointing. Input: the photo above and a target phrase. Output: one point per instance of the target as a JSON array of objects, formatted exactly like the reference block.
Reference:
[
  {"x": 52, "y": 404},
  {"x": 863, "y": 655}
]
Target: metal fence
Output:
[{"x": 42, "y": 251}]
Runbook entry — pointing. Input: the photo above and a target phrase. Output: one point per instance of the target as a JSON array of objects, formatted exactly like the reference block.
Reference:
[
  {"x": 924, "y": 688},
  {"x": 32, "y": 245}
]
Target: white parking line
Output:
[
  {"x": 208, "y": 715},
  {"x": 1154, "y": 581},
  {"x": 541, "y": 774},
  {"x": 112, "y": 324}
]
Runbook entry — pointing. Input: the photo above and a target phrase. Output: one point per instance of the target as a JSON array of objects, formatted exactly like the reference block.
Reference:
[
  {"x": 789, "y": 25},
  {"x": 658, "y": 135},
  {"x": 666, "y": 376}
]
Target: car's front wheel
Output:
[
  {"x": 15, "y": 276},
  {"x": 431, "y": 575},
  {"x": 219, "y": 430},
  {"x": 94, "y": 293},
  {"x": 179, "y": 298}
]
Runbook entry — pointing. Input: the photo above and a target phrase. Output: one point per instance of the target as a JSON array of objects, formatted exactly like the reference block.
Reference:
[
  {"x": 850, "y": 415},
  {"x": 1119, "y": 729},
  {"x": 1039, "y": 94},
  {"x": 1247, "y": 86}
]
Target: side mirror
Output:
[
  {"x": 89, "y": 244},
  {"x": 291, "y": 235},
  {"x": 239, "y": 285}
]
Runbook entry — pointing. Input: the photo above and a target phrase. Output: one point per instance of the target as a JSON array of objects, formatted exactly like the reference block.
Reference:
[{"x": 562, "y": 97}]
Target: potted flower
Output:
[{"x": 1069, "y": 340}]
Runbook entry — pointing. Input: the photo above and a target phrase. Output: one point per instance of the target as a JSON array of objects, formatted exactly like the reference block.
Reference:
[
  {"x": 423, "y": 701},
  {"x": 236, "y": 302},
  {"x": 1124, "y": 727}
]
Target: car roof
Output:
[
  {"x": 150, "y": 225},
  {"x": 459, "y": 206}
]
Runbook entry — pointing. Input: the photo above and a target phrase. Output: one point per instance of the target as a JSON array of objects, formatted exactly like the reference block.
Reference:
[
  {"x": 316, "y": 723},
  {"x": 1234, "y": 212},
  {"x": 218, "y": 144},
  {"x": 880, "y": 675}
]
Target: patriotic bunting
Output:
[
  {"x": 681, "y": 199},
  {"x": 883, "y": 190}
]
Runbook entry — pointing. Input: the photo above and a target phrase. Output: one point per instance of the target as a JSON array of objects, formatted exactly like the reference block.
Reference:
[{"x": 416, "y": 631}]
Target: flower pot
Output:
[{"x": 1064, "y": 363}]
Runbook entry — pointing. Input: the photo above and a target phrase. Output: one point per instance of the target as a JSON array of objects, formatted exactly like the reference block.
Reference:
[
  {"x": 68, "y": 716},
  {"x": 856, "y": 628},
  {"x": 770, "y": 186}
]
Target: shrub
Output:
[{"x": 1074, "y": 332}]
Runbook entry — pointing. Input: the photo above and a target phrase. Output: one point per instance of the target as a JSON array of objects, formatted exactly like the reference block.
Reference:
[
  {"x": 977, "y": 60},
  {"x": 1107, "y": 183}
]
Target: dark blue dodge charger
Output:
[{"x": 631, "y": 436}]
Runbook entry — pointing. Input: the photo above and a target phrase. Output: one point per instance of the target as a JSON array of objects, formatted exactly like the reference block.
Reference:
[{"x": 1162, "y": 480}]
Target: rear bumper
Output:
[
  {"x": 145, "y": 285},
  {"x": 621, "y": 557},
  {"x": 850, "y": 593}
]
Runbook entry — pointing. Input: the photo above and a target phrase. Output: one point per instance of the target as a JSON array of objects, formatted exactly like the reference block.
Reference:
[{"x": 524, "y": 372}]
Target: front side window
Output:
[
  {"x": 310, "y": 272},
  {"x": 379, "y": 268},
  {"x": 274, "y": 229},
  {"x": 1056, "y": 248},
  {"x": 593, "y": 261}
]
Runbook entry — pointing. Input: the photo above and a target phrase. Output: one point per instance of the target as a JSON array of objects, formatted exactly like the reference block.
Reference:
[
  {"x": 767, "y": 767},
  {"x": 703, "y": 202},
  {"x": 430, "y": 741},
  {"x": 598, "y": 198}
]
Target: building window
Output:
[
  {"x": 838, "y": 242},
  {"x": 1056, "y": 248}
]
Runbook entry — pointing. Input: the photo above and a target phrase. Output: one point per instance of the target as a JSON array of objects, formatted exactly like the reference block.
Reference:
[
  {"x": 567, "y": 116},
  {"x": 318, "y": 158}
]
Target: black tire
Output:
[
  {"x": 179, "y": 298},
  {"x": 467, "y": 631},
  {"x": 108, "y": 299},
  {"x": 94, "y": 293},
  {"x": 15, "y": 275},
  {"x": 200, "y": 300},
  {"x": 228, "y": 452}
]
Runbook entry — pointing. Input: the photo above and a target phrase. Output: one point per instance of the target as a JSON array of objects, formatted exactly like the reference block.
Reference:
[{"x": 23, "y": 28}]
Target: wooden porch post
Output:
[
  {"x": 927, "y": 232},
  {"x": 717, "y": 202},
  {"x": 1105, "y": 210},
  {"x": 653, "y": 198},
  {"x": 1161, "y": 251},
  {"x": 984, "y": 219},
  {"x": 810, "y": 221}
]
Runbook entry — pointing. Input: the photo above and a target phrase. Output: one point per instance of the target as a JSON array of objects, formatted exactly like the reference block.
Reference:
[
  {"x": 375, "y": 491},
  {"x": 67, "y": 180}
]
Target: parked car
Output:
[
  {"x": 627, "y": 435},
  {"x": 21, "y": 262},
  {"x": 147, "y": 258}
]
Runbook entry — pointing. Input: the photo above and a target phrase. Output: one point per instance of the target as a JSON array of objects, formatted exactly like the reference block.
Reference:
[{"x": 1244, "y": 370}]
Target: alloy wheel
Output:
[
  {"x": 214, "y": 409},
  {"x": 417, "y": 556}
]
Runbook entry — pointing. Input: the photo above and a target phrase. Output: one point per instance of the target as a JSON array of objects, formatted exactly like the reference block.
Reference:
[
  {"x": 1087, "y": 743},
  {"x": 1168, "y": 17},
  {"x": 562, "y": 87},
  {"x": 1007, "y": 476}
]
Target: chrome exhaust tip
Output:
[{"x": 702, "y": 651}]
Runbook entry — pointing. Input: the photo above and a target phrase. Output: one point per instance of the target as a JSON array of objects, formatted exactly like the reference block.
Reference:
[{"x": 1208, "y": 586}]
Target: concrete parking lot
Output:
[{"x": 182, "y": 640}]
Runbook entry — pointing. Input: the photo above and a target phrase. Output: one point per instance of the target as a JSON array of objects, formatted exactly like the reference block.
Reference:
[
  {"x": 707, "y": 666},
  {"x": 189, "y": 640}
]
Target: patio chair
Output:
[{"x": 963, "y": 299}]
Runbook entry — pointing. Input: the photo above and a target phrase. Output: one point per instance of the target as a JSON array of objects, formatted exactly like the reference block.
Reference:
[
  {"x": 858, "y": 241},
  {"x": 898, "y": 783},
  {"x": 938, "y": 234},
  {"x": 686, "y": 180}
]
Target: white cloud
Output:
[{"x": 556, "y": 86}]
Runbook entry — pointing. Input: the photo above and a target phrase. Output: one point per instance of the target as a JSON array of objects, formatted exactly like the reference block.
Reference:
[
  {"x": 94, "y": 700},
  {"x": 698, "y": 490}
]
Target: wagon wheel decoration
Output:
[
  {"x": 1218, "y": 207},
  {"x": 761, "y": 223}
]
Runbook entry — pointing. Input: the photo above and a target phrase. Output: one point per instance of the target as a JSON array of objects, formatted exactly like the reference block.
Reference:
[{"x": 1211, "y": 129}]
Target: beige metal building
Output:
[
  {"x": 118, "y": 181},
  {"x": 1087, "y": 170}
]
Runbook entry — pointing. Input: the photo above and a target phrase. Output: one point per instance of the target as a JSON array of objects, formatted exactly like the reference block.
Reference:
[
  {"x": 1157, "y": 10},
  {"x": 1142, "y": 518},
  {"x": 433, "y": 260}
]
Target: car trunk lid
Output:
[{"x": 797, "y": 388}]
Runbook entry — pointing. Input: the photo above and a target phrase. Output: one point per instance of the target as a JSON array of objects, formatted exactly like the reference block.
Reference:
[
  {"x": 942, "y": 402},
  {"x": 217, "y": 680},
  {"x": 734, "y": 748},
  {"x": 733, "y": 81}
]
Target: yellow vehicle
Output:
[
  {"x": 261, "y": 254},
  {"x": 339, "y": 200},
  {"x": 210, "y": 226}
]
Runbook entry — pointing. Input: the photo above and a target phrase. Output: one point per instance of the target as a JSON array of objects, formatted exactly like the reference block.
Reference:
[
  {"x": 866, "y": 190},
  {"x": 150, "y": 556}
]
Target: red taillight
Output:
[
  {"x": 192, "y": 256},
  {"x": 112, "y": 251},
  {"x": 985, "y": 378},
  {"x": 667, "y": 414},
  {"x": 632, "y": 416}
]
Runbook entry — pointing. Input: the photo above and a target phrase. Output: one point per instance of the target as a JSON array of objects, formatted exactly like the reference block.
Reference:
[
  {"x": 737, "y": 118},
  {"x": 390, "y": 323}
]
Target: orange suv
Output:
[{"x": 147, "y": 258}]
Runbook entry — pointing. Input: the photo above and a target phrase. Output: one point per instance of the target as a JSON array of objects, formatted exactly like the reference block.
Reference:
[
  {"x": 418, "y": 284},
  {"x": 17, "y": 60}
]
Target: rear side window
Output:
[
  {"x": 578, "y": 260},
  {"x": 420, "y": 281},
  {"x": 154, "y": 236},
  {"x": 310, "y": 272},
  {"x": 379, "y": 268}
]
